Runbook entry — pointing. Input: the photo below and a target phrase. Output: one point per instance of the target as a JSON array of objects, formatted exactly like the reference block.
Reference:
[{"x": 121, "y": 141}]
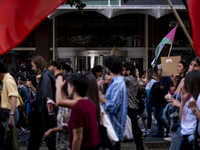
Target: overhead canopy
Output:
[{"x": 113, "y": 8}]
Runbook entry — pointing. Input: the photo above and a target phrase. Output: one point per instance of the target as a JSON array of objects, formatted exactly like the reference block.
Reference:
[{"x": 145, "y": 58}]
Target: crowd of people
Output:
[{"x": 89, "y": 110}]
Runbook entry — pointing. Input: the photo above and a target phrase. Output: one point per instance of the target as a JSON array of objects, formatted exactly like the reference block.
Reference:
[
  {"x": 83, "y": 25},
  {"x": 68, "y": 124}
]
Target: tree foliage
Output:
[{"x": 77, "y": 3}]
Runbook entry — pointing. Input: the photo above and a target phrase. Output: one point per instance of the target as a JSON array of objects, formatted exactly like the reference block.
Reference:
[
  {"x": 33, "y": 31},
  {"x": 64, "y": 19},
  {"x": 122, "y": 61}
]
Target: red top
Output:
[{"x": 83, "y": 114}]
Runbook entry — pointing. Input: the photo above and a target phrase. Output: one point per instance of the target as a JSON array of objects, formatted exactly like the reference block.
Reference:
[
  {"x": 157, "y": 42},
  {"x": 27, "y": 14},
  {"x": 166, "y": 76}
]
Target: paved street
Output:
[{"x": 150, "y": 143}]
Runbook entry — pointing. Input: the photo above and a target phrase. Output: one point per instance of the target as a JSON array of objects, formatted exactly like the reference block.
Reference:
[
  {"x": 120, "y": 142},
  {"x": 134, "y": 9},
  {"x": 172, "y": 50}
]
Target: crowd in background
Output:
[{"x": 89, "y": 110}]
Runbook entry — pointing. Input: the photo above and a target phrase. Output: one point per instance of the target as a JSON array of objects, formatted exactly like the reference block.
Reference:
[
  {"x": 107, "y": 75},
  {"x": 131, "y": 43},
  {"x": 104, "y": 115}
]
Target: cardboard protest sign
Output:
[{"x": 169, "y": 65}]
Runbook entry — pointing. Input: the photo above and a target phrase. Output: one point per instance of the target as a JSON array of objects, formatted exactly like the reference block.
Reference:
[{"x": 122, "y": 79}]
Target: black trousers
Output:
[
  {"x": 137, "y": 133},
  {"x": 117, "y": 145},
  {"x": 36, "y": 135},
  {"x": 2, "y": 133}
]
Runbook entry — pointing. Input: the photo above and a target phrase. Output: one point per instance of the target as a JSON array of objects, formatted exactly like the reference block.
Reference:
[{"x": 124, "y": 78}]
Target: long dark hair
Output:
[
  {"x": 185, "y": 66},
  {"x": 40, "y": 64},
  {"x": 192, "y": 83},
  {"x": 93, "y": 92},
  {"x": 196, "y": 59}
]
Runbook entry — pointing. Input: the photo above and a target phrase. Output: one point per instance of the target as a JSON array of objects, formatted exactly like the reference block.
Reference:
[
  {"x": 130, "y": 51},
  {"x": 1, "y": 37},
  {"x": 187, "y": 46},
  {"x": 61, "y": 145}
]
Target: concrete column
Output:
[
  {"x": 101, "y": 60},
  {"x": 54, "y": 40},
  {"x": 73, "y": 62},
  {"x": 86, "y": 63},
  {"x": 146, "y": 43},
  {"x": 42, "y": 39},
  {"x": 76, "y": 63}
]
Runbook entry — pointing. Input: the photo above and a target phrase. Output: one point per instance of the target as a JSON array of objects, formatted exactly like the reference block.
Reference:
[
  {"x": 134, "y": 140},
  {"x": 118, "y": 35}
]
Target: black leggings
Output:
[
  {"x": 185, "y": 145},
  {"x": 137, "y": 133},
  {"x": 2, "y": 133}
]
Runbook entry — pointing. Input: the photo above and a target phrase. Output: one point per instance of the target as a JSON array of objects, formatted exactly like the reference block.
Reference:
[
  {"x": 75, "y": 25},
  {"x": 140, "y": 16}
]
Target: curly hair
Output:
[
  {"x": 114, "y": 64},
  {"x": 130, "y": 67}
]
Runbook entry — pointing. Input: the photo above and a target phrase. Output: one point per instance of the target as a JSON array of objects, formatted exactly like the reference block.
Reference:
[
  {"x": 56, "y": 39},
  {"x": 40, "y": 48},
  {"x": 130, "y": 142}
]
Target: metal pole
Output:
[
  {"x": 54, "y": 41},
  {"x": 170, "y": 50},
  {"x": 181, "y": 23}
]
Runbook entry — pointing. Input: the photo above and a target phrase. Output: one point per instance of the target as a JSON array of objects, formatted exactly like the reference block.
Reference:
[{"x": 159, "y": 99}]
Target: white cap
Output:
[{"x": 159, "y": 66}]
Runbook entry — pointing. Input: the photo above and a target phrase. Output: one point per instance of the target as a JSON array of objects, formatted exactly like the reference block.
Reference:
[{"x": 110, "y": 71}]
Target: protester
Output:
[
  {"x": 175, "y": 104},
  {"x": 115, "y": 100},
  {"x": 106, "y": 83},
  {"x": 57, "y": 68},
  {"x": 23, "y": 111},
  {"x": 189, "y": 109},
  {"x": 150, "y": 81},
  {"x": 62, "y": 140},
  {"x": 41, "y": 120},
  {"x": 23, "y": 70},
  {"x": 137, "y": 74},
  {"x": 143, "y": 80},
  {"x": 181, "y": 70},
  {"x": 82, "y": 126},
  {"x": 144, "y": 115},
  {"x": 132, "y": 88},
  {"x": 97, "y": 71},
  {"x": 9, "y": 100},
  {"x": 158, "y": 92},
  {"x": 93, "y": 93},
  {"x": 66, "y": 69},
  {"x": 50, "y": 66}
]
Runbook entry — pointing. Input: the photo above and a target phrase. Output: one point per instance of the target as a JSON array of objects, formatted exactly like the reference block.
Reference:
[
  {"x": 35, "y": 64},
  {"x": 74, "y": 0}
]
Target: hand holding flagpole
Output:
[{"x": 181, "y": 23}]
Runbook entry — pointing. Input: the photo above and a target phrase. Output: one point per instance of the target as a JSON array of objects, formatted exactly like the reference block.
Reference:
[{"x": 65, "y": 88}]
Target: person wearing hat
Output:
[
  {"x": 162, "y": 88},
  {"x": 23, "y": 69}
]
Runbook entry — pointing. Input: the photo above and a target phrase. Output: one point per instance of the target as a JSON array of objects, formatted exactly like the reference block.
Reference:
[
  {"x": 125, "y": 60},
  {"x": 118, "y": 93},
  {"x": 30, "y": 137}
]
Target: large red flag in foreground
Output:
[
  {"x": 19, "y": 17},
  {"x": 194, "y": 13}
]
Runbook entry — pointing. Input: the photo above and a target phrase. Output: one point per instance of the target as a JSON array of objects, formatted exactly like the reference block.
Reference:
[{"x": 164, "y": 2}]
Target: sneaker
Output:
[
  {"x": 168, "y": 139},
  {"x": 146, "y": 131},
  {"x": 22, "y": 130}
]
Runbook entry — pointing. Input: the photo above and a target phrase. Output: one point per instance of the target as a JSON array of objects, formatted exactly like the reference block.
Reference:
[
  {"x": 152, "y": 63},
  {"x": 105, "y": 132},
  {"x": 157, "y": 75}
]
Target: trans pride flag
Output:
[{"x": 168, "y": 39}]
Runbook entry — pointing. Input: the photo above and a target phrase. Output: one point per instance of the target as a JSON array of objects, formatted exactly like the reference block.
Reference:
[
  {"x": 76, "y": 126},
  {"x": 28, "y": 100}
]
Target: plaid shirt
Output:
[{"x": 116, "y": 105}]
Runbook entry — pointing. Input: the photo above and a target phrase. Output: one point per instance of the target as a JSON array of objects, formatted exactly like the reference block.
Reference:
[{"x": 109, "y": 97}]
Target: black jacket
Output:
[{"x": 45, "y": 88}]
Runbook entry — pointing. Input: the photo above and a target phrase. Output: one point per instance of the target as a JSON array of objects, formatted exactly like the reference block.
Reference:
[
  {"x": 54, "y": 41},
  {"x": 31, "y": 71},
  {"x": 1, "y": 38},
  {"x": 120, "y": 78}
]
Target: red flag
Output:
[
  {"x": 194, "y": 13},
  {"x": 19, "y": 17}
]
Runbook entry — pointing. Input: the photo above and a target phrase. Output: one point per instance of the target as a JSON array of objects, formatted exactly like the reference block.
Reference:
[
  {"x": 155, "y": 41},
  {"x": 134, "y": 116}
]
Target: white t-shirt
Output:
[
  {"x": 150, "y": 84},
  {"x": 189, "y": 120}
]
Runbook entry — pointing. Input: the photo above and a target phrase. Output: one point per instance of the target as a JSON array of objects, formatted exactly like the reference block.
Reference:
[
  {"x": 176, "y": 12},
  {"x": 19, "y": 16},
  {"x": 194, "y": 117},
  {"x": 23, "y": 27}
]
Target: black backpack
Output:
[
  {"x": 153, "y": 98},
  {"x": 141, "y": 108}
]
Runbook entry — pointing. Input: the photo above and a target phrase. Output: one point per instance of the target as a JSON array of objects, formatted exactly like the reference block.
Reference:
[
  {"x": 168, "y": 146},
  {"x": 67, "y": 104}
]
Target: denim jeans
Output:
[
  {"x": 180, "y": 136},
  {"x": 149, "y": 112},
  {"x": 158, "y": 113},
  {"x": 16, "y": 118}
]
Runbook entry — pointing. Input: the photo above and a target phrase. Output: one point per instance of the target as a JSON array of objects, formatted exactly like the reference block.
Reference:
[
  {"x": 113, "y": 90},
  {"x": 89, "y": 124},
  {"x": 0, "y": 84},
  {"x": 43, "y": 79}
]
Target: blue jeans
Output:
[
  {"x": 158, "y": 113},
  {"x": 16, "y": 118},
  {"x": 180, "y": 136},
  {"x": 149, "y": 112}
]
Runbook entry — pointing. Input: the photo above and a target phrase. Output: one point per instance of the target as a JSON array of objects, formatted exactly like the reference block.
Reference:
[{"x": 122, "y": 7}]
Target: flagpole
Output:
[
  {"x": 181, "y": 23},
  {"x": 170, "y": 50}
]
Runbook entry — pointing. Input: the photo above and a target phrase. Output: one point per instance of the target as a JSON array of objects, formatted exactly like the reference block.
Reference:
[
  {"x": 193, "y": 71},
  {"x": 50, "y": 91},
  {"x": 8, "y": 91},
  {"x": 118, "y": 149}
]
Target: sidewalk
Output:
[{"x": 150, "y": 143}]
